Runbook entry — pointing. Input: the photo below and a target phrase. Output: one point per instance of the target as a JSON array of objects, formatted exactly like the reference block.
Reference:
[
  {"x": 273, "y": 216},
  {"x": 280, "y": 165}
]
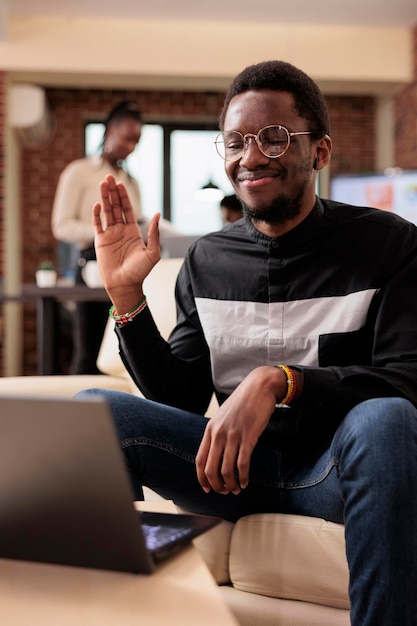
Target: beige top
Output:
[{"x": 76, "y": 193}]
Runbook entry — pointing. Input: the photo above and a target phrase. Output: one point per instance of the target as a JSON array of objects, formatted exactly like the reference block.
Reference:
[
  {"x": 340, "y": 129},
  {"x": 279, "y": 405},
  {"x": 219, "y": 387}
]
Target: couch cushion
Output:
[
  {"x": 256, "y": 610},
  {"x": 289, "y": 556}
]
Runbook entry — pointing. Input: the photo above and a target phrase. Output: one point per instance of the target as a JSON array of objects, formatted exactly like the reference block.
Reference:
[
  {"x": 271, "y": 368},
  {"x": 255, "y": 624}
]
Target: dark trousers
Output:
[{"x": 88, "y": 327}]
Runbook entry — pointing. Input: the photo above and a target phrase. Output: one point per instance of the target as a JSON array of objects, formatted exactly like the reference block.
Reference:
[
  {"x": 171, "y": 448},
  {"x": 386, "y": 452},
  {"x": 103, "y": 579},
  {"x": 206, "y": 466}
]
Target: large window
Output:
[{"x": 172, "y": 163}]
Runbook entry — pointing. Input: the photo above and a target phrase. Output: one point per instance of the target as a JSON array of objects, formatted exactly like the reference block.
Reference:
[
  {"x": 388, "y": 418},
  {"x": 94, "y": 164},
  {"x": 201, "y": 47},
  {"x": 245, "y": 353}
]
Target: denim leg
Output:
[
  {"x": 160, "y": 444},
  {"x": 367, "y": 478},
  {"x": 377, "y": 450}
]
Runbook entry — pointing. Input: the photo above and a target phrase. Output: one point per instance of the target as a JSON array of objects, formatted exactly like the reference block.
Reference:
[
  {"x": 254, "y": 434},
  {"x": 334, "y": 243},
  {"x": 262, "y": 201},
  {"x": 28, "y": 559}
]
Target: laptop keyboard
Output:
[
  {"x": 159, "y": 536},
  {"x": 166, "y": 533}
]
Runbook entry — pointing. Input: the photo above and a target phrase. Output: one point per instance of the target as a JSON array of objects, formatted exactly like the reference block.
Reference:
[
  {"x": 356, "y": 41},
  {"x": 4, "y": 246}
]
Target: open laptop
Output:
[
  {"x": 176, "y": 246},
  {"x": 65, "y": 495}
]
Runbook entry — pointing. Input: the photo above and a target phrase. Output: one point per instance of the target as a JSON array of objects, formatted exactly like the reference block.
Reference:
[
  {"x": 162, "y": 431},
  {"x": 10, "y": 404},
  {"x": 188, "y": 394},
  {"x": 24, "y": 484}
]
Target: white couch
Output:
[{"x": 273, "y": 569}]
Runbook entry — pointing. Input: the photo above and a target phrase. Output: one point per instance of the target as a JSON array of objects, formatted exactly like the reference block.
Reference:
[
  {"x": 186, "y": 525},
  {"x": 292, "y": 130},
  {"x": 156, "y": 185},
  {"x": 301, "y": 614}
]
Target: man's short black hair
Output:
[
  {"x": 282, "y": 76},
  {"x": 231, "y": 202}
]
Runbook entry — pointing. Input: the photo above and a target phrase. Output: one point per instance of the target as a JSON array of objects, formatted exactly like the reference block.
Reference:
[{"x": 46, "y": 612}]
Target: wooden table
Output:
[
  {"x": 181, "y": 592},
  {"x": 47, "y": 300}
]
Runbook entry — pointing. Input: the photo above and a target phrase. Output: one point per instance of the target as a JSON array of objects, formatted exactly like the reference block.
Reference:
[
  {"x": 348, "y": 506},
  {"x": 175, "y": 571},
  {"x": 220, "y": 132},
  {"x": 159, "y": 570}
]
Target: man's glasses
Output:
[{"x": 272, "y": 141}]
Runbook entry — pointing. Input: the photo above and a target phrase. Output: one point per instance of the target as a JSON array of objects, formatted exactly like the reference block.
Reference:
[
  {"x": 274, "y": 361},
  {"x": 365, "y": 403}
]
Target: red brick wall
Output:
[
  {"x": 352, "y": 119},
  {"x": 405, "y": 116},
  {"x": 353, "y": 130}
]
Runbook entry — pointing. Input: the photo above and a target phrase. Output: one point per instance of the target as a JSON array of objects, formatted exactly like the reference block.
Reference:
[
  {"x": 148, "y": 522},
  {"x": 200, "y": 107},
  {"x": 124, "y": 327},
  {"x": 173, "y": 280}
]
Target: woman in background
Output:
[{"x": 76, "y": 193}]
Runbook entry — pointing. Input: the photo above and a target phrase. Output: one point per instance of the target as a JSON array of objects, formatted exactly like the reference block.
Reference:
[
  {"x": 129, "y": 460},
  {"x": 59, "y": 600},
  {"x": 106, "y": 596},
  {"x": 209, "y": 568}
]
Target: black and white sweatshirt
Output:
[{"x": 336, "y": 297}]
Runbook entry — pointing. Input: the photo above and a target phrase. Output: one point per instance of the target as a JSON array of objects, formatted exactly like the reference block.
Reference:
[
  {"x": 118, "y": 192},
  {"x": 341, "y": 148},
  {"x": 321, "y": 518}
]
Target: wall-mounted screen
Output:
[{"x": 396, "y": 193}]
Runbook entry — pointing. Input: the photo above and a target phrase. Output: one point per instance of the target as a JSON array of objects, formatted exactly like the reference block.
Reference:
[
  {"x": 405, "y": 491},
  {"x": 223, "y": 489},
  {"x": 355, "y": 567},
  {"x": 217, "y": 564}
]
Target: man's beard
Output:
[
  {"x": 279, "y": 211},
  {"x": 282, "y": 208}
]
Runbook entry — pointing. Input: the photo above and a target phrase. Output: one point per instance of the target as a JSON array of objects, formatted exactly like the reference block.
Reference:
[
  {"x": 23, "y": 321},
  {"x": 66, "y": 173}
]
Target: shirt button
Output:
[{"x": 275, "y": 244}]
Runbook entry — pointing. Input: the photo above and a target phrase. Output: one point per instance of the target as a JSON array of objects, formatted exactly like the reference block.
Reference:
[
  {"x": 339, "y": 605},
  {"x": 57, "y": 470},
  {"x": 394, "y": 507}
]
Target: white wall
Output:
[{"x": 135, "y": 53}]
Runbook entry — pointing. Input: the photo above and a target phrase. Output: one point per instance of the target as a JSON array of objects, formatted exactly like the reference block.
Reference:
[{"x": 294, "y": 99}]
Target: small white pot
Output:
[
  {"x": 91, "y": 274},
  {"x": 46, "y": 278}
]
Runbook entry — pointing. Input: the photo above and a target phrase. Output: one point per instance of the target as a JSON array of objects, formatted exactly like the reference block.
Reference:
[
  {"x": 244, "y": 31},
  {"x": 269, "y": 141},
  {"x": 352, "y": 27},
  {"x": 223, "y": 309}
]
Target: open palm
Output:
[{"x": 123, "y": 257}]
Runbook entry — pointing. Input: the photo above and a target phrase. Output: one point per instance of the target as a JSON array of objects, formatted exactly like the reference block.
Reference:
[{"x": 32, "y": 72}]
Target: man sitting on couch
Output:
[{"x": 302, "y": 319}]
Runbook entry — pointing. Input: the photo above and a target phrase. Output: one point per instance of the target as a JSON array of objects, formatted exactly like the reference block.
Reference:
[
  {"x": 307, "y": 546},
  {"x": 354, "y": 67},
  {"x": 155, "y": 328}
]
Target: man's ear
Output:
[{"x": 324, "y": 150}]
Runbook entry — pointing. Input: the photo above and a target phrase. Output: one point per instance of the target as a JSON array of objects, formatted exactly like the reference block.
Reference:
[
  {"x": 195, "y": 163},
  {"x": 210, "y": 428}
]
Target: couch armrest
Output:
[{"x": 274, "y": 554}]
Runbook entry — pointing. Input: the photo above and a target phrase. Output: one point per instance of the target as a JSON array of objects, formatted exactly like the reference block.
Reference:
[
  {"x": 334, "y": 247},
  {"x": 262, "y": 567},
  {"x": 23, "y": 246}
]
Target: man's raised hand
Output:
[{"x": 123, "y": 257}]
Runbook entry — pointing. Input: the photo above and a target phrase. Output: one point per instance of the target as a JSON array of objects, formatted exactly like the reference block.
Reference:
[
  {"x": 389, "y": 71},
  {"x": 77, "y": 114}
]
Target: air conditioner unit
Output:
[{"x": 29, "y": 114}]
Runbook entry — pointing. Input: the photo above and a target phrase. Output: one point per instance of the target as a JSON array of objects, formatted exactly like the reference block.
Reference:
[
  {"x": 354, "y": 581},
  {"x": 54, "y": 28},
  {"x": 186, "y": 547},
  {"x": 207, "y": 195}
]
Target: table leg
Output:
[{"x": 46, "y": 331}]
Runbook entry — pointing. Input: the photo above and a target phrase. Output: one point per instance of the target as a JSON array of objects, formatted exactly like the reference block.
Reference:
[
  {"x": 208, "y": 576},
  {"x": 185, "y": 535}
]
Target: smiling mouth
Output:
[
  {"x": 255, "y": 176},
  {"x": 255, "y": 179}
]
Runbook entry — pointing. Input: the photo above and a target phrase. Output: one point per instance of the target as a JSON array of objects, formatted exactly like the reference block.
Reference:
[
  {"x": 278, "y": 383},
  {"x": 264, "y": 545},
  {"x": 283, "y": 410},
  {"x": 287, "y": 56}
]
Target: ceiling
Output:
[{"x": 389, "y": 13}]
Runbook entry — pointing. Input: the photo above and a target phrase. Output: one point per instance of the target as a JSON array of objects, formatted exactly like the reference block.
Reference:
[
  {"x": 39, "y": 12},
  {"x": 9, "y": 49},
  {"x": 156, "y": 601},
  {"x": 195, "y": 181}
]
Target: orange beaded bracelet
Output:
[{"x": 291, "y": 384}]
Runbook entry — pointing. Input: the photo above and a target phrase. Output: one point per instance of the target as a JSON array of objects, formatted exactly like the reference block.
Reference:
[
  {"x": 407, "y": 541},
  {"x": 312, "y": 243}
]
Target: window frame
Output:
[{"x": 168, "y": 127}]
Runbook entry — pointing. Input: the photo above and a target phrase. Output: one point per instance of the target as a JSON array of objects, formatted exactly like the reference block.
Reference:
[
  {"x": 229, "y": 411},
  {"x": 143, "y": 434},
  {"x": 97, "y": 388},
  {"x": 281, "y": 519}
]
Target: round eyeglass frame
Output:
[{"x": 258, "y": 142}]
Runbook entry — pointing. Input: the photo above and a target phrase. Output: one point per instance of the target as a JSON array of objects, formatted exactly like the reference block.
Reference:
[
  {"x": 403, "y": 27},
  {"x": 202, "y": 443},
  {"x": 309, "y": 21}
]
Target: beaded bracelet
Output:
[
  {"x": 124, "y": 318},
  {"x": 291, "y": 384}
]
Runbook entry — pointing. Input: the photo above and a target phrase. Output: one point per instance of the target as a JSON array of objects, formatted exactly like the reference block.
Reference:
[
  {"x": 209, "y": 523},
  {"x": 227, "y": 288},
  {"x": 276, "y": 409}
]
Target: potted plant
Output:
[{"x": 46, "y": 274}]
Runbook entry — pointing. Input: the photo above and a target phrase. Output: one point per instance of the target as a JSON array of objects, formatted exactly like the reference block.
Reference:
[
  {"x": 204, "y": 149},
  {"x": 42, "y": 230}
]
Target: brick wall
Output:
[
  {"x": 352, "y": 120},
  {"x": 405, "y": 116}
]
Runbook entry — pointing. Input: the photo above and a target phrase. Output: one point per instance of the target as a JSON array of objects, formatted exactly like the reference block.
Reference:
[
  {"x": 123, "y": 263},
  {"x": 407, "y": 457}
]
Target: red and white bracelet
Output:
[{"x": 124, "y": 318}]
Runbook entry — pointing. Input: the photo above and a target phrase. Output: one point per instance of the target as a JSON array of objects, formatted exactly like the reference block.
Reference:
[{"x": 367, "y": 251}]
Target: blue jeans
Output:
[{"x": 366, "y": 479}]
